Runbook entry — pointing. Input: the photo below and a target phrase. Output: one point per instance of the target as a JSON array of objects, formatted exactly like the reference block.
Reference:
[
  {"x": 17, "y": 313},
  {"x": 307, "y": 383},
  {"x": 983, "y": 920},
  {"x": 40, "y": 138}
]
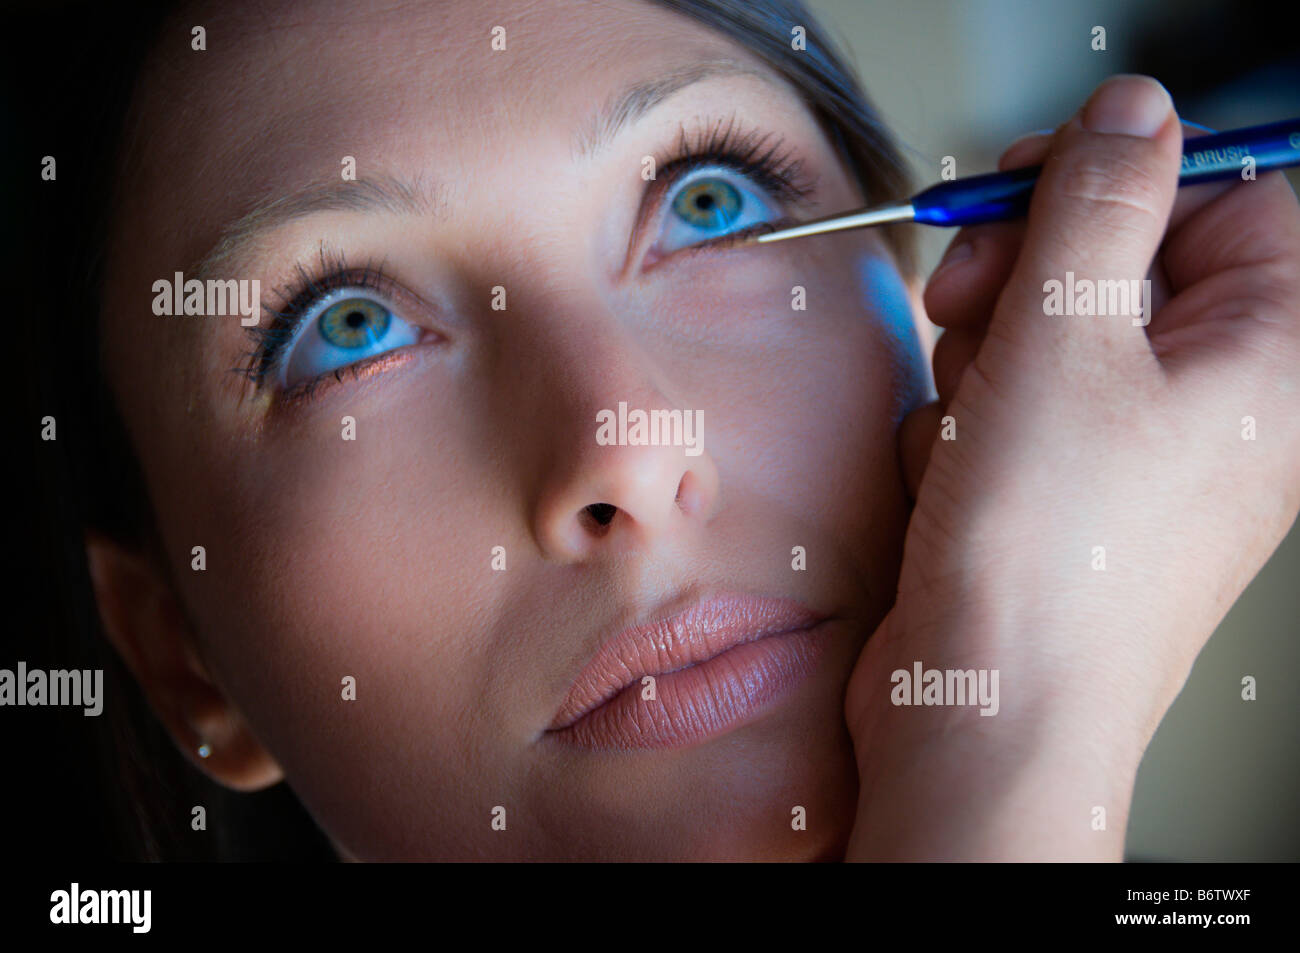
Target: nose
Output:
[{"x": 599, "y": 494}]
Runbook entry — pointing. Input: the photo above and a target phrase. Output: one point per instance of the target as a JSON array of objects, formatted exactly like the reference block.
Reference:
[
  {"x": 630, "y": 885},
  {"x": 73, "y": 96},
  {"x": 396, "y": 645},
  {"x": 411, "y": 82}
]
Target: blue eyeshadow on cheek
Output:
[{"x": 885, "y": 295}]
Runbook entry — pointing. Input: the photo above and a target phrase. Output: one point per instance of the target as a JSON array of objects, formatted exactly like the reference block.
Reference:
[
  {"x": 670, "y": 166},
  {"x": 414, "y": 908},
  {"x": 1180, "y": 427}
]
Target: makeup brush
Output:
[{"x": 998, "y": 196}]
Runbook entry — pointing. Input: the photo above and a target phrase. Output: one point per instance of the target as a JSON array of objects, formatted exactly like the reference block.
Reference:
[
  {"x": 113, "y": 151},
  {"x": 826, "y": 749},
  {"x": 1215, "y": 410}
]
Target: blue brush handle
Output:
[{"x": 1002, "y": 195}]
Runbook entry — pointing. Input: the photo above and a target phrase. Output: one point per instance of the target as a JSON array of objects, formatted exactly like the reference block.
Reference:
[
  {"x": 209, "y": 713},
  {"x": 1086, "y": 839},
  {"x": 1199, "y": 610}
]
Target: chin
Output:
[{"x": 782, "y": 789}]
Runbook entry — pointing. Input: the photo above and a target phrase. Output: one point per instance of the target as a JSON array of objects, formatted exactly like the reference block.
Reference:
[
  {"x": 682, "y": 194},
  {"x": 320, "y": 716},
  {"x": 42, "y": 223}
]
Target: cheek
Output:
[
  {"x": 368, "y": 558},
  {"x": 887, "y": 301},
  {"x": 804, "y": 363}
]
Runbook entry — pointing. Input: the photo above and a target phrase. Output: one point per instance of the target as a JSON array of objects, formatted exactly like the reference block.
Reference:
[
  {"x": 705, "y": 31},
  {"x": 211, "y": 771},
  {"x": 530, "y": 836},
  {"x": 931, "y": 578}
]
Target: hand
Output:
[{"x": 1081, "y": 442}]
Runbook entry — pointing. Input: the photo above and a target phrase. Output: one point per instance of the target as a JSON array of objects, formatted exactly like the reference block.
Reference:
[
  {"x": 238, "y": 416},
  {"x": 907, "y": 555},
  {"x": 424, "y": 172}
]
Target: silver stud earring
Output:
[{"x": 204, "y": 750}]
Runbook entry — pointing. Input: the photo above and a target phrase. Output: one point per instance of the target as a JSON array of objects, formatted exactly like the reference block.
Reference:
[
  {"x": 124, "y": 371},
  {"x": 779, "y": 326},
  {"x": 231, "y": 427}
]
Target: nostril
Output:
[{"x": 602, "y": 513}]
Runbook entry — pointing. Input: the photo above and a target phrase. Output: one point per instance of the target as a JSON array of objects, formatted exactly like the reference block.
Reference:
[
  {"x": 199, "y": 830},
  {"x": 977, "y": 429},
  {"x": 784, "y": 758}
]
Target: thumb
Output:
[{"x": 1098, "y": 214}]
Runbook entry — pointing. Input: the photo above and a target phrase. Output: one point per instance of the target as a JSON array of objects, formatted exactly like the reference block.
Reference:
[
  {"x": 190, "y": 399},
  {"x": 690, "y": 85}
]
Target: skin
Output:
[
  {"x": 371, "y": 559},
  {"x": 1075, "y": 432}
]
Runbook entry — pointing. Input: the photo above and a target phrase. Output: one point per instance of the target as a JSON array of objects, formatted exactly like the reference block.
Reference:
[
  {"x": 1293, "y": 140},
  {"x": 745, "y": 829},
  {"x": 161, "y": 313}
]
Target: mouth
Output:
[{"x": 690, "y": 676}]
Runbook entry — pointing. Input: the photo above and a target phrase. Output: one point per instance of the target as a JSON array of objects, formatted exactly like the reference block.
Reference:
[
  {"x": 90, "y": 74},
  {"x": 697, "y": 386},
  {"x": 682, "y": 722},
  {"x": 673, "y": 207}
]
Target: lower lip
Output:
[{"x": 703, "y": 700}]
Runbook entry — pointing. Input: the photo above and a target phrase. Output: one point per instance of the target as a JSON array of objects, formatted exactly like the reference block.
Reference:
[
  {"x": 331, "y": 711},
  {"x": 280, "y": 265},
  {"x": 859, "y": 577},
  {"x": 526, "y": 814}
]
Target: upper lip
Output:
[{"x": 677, "y": 640}]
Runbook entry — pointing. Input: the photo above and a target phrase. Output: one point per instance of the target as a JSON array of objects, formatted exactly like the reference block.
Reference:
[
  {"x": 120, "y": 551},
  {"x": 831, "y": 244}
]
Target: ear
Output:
[{"x": 144, "y": 621}]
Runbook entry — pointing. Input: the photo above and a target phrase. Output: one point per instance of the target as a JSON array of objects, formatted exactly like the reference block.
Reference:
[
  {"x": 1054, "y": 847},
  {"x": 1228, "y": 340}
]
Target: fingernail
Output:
[
  {"x": 956, "y": 253},
  {"x": 1128, "y": 105}
]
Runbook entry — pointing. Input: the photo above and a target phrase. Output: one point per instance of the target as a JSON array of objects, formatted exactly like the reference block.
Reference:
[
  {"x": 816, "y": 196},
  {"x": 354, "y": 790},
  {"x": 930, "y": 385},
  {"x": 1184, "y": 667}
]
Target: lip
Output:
[{"x": 716, "y": 665}]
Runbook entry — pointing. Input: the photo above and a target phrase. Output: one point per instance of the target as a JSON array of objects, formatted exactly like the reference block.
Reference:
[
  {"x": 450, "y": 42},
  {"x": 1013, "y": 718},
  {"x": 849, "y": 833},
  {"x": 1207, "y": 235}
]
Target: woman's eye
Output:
[
  {"x": 348, "y": 326},
  {"x": 711, "y": 203}
]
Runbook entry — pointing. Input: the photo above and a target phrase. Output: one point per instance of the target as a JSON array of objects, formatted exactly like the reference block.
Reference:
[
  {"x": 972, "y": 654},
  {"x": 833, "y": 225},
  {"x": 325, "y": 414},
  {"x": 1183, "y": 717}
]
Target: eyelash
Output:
[
  {"x": 778, "y": 171},
  {"x": 752, "y": 154},
  {"x": 299, "y": 297}
]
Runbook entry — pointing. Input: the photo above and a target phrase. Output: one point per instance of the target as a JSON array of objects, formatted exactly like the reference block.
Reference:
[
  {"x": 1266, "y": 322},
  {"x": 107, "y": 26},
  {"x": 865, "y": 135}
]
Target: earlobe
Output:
[{"x": 143, "y": 620}]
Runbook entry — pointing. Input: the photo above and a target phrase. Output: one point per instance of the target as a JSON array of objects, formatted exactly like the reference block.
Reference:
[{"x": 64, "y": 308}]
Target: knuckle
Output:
[
  {"x": 1112, "y": 185},
  {"x": 1082, "y": 238}
]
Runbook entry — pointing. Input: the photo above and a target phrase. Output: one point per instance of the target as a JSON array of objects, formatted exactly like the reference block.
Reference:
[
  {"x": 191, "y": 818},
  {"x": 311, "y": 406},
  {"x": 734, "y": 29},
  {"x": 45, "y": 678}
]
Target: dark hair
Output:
[{"x": 89, "y": 477}]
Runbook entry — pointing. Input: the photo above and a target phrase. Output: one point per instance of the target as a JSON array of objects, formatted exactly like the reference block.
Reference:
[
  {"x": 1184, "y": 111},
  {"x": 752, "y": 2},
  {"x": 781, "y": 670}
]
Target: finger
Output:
[
  {"x": 964, "y": 288},
  {"x": 1191, "y": 198},
  {"x": 1097, "y": 216},
  {"x": 1032, "y": 149},
  {"x": 1239, "y": 224},
  {"x": 953, "y": 353},
  {"x": 1234, "y": 260},
  {"x": 965, "y": 285},
  {"x": 916, "y": 437}
]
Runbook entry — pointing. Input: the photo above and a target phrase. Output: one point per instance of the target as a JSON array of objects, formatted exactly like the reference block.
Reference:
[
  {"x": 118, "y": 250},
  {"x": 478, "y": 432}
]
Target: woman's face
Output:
[{"x": 534, "y": 277}]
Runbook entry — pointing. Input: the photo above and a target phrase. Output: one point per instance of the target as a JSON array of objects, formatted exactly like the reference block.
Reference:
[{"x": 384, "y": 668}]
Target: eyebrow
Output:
[
  {"x": 386, "y": 193},
  {"x": 636, "y": 100},
  {"x": 378, "y": 194}
]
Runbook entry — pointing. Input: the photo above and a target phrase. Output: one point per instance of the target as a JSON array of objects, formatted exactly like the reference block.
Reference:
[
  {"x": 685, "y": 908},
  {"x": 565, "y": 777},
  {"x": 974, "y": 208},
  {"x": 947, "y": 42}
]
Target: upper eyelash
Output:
[
  {"x": 753, "y": 153},
  {"x": 778, "y": 170},
  {"x": 299, "y": 297}
]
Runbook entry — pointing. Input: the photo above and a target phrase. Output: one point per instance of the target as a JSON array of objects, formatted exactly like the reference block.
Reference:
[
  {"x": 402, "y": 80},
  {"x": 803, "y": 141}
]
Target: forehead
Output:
[{"x": 284, "y": 90}]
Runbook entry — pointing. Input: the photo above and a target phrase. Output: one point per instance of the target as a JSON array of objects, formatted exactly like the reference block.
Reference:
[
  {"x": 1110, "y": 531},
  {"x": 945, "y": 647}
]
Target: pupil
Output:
[
  {"x": 355, "y": 319},
  {"x": 704, "y": 202}
]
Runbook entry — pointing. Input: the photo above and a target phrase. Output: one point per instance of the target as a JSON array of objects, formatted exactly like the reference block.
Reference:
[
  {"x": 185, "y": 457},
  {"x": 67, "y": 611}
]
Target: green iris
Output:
[
  {"x": 354, "y": 322},
  {"x": 708, "y": 203}
]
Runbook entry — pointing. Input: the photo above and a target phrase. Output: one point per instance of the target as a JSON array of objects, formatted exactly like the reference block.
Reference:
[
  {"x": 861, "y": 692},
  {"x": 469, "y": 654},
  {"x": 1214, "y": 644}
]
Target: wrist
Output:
[{"x": 970, "y": 746}]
